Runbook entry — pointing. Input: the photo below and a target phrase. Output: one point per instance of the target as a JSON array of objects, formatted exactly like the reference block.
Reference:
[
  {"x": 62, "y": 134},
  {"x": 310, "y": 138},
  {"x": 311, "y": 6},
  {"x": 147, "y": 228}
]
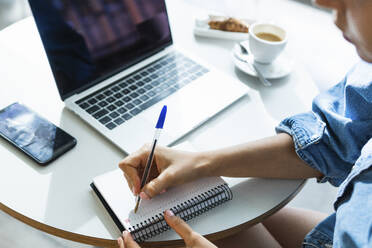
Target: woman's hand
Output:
[
  {"x": 191, "y": 238},
  {"x": 170, "y": 168}
]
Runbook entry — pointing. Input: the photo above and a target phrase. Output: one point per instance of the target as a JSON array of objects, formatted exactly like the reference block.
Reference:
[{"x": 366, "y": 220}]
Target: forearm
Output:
[{"x": 272, "y": 157}]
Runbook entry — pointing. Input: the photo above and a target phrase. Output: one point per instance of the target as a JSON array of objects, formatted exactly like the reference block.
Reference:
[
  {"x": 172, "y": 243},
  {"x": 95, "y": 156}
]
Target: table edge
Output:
[{"x": 171, "y": 243}]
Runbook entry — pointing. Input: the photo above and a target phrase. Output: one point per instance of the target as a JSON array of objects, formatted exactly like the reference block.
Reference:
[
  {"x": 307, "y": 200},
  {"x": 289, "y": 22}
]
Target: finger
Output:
[
  {"x": 178, "y": 225},
  {"x": 131, "y": 166},
  {"x": 130, "y": 183},
  {"x": 129, "y": 241},
  {"x": 157, "y": 185},
  {"x": 133, "y": 179},
  {"x": 120, "y": 242}
]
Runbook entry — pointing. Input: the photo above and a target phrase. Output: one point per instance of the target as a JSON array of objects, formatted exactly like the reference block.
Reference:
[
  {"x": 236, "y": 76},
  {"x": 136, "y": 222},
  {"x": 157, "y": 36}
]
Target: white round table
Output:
[{"x": 57, "y": 199}]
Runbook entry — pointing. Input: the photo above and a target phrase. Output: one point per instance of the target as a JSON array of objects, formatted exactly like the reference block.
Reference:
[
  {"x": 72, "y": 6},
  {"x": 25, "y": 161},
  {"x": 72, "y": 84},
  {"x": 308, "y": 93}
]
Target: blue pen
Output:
[{"x": 158, "y": 128}]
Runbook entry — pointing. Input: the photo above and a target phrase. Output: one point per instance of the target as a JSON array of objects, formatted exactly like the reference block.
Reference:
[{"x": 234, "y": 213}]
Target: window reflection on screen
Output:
[
  {"x": 31, "y": 133},
  {"x": 88, "y": 40}
]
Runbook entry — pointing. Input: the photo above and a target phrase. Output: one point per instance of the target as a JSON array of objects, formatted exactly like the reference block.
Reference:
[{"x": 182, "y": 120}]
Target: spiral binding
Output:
[{"x": 186, "y": 210}]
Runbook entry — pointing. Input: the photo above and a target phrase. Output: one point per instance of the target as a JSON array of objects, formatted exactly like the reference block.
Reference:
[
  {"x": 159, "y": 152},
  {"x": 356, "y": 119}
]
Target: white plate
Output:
[
  {"x": 280, "y": 67},
  {"x": 201, "y": 28}
]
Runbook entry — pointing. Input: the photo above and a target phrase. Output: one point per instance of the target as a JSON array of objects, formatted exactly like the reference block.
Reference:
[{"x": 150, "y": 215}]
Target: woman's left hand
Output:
[{"x": 191, "y": 238}]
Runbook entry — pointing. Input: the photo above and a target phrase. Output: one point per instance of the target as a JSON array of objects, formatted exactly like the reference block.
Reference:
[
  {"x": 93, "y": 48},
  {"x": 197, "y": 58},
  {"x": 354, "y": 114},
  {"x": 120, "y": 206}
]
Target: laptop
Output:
[{"x": 115, "y": 66}]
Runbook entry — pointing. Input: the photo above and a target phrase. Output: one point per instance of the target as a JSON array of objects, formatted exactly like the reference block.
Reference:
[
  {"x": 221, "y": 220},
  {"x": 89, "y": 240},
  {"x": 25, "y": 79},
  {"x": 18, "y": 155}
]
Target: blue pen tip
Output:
[{"x": 161, "y": 119}]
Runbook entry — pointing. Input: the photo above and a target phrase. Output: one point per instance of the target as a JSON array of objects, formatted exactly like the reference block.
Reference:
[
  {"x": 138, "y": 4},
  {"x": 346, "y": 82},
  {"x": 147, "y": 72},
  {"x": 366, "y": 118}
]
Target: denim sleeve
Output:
[
  {"x": 311, "y": 141},
  {"x": 353, "y": 226},
  {"x": 330, "y": 137}
]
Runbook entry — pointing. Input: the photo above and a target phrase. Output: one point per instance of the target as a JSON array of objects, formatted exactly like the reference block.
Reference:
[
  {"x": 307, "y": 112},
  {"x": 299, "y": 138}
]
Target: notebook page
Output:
[{"x": 114, "y": 189}]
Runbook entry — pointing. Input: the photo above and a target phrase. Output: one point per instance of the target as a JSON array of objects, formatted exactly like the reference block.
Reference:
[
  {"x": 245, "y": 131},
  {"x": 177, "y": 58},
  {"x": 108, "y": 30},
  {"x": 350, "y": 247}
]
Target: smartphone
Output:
[{"x": 40, "y": 139}]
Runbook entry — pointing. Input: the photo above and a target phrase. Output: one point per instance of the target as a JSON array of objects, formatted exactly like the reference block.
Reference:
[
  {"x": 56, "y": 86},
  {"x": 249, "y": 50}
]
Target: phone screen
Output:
[{"x": 34, "y": 135}]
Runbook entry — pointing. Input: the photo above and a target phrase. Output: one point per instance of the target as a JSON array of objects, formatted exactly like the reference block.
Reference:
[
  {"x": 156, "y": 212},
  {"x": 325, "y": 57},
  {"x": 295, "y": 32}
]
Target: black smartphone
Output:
[{"x": 35, "y": 136}]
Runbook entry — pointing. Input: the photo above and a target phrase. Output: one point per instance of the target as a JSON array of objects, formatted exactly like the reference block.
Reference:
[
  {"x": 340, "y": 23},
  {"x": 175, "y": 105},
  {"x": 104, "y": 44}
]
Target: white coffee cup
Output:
[{"x": 263, "y": 50}]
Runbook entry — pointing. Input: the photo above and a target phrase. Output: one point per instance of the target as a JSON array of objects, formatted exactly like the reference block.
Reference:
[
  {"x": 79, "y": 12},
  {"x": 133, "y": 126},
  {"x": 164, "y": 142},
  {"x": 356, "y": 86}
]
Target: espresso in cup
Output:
[
  {"x": 268, "y": 36},
  {"x": 266, "y": 41}
]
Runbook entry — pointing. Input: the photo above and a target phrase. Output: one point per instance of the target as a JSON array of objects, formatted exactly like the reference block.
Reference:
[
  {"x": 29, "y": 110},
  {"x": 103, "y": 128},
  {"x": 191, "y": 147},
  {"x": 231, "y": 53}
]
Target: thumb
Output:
[
  {"x": 157, "y": 185},
  {"x": 129, "y": 241},
  {"x": 178, "y": 225}
]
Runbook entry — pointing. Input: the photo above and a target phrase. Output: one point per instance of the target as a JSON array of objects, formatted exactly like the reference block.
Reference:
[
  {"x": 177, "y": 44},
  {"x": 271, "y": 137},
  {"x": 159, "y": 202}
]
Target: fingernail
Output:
[
  {"x": 163, "y": 191},
  {"x": 144, "y": 196},
  {"x": 169, "y": 213},
  {"x": 134, "y": 190},
  {"x": 119, "y": 241}
]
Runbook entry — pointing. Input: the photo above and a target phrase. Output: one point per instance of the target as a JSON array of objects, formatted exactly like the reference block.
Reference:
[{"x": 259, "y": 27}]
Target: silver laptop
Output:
[{"x": 115, "y": 66}]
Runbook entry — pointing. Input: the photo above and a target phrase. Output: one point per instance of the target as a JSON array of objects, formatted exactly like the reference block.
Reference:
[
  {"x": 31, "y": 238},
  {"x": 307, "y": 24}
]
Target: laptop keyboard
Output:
[{"x": 123, "y": 99}]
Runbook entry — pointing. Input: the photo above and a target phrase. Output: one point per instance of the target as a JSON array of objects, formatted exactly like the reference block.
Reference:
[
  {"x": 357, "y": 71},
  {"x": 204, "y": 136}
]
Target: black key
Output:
[
  {"x": 103, "y": 103},
  {"x": 135, "y": 111},
  {"x": 125, "y": 91},
  {"x": 129, "y": 106},
  {"x": 148, "y": 87},
  {"x": 137, "y": 77},
  {"x": 185, "y": 81},
  {"x": 158, "y": 90},
  {"x": 130, "y": 81},
  {"x": 137, "y": 102},
  {"x": 122, "y": 110},
  {"x": 105, "y": 119},
  {"x": 155, "y": 83},
  {"x": 118, "y": 95},
  {"x": 151, "y": 93},
  {"x": 111, "y": 126},
  {"x": 199, "y": 73},
  {"x": 111, "y": 107},
  {"x": 177, "y": 86},
  {"x": 127, "y": 116},
  {"x": 127, "y": 99},
  {"x": 151, "y": 69},
  {"x": 163, "y": 86},
  {"x": 123, "y": 85},
  {"x": 154, "y": 76},
  {"x": 119, "y": 121},
  {"x": 100, "y": 97},
  {"x": 134, "y": 95},
  {"x": 110, "y": 99},
  {"x": 184, "y": 74},
  {"x": 204, "y": 70},
  {"x": 108, "y": 92},
  {"x": 144, "y": 97},
  {"x": 119, "y": 103},
  {"x": 140, "y": 83},
  {"x": 84, "y": 105},
  {"x": 100, "y": 114},
  {"x": 172, "y": 73},
  {"x": 93, "y": 109},
  {"x": 133, "y": 87},
  {"x": 192, "y": 77},
  {"x": 144, "y": 73},
  {"x": 114, "y": 114},
  {"x": 115, "y": 88},
  {"x": 141, "y": 91},
  {"x": 157, "y": 66},
  {"x": 147, "y": 79},
  {"x": 92, "y": 101},
  {"x": 157, "y": 98}
]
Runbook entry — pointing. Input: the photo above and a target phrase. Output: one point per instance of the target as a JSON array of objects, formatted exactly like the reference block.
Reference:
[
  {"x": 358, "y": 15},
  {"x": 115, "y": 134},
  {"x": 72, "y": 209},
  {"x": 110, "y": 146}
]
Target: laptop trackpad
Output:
[{"x": 195, "y": 103}]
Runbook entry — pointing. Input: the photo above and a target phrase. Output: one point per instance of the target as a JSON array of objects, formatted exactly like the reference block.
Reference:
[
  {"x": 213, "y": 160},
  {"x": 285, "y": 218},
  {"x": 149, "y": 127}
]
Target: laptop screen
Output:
[{"x": 88, "y": 41}]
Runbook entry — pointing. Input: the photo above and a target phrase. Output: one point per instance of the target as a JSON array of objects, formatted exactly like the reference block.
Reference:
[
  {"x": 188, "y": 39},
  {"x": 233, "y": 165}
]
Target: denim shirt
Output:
[{"x": 335, "y": 138}]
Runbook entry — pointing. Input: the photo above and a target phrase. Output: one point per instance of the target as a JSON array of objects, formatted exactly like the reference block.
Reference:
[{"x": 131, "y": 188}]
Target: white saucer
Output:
[{"x": 280, "y": 67}]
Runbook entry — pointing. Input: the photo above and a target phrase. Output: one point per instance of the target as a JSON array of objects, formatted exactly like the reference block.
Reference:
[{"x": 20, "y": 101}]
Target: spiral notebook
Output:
[{"x": 187, "y": 201}]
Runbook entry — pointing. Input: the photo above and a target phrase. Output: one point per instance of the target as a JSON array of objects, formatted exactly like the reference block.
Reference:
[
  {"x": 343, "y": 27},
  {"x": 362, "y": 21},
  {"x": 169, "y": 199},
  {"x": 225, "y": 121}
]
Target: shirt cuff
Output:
[{"x": 306, "y": 129}]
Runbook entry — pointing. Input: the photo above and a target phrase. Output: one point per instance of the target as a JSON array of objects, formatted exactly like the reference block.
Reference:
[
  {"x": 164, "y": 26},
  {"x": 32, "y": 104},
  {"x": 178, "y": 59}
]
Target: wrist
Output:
[{"x": 204, "y": 164}]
